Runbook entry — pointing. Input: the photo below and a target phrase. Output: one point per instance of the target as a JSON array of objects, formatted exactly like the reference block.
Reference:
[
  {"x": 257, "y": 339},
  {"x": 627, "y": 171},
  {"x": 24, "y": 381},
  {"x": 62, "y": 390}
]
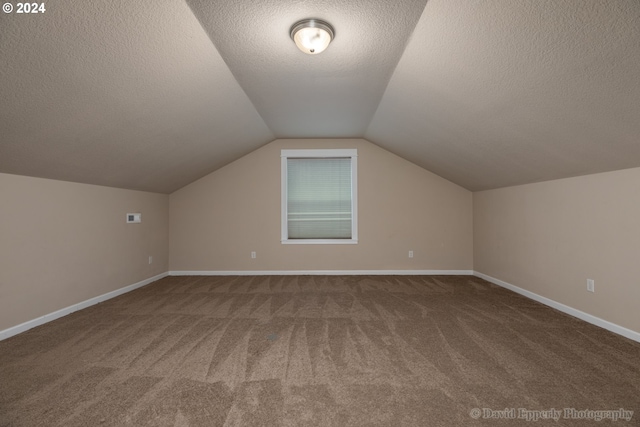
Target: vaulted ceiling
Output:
[{"x": 486, "y": 93}]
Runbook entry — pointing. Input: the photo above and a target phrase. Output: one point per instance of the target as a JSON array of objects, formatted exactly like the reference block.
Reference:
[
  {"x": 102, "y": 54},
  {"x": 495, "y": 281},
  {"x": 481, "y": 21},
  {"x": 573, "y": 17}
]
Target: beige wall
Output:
[
  {"x": 550, "y": 237},
  {"x": 218, "y": 220},
  {"x": 62, "y": 243}
]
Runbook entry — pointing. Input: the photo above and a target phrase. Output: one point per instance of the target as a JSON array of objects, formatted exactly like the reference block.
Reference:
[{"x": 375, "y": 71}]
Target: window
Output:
[{"x": 319, "y": 196}]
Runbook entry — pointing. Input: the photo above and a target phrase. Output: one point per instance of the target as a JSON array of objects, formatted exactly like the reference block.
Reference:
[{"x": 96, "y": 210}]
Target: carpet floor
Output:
[{"x": 319, "y": 351}]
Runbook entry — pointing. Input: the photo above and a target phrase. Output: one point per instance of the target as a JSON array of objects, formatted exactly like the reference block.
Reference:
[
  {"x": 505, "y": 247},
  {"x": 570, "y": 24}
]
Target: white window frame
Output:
[{"x": 317, "y": 153}]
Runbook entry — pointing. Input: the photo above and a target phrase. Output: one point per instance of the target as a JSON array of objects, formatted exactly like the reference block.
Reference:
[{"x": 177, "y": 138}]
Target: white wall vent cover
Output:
[{"x": 134, "y": 217}]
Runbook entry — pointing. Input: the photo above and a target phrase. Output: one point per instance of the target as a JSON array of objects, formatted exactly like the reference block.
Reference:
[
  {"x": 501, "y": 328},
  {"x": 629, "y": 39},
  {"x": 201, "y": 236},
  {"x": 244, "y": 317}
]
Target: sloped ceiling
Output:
[
  {"x": 129, "y": 94},
  {"x": 153, "y": 95},
  {"x": 496, "y": 93}
]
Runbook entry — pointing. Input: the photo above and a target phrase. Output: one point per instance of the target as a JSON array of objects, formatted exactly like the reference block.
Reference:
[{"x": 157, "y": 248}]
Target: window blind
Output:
[{"x": 319, "y": 204}]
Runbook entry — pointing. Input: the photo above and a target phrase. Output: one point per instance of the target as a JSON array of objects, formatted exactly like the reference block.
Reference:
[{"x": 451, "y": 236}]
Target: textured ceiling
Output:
[
  {"x": 496, "y": 93},
  {"x": 128, "y": 94},
  {"x": 334, "y": 94},
  {"x": 153, "y": 95}
]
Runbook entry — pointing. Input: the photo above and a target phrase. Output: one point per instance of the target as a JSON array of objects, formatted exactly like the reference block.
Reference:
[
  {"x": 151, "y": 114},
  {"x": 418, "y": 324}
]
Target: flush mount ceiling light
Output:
[{"x": 312, "y": 36}]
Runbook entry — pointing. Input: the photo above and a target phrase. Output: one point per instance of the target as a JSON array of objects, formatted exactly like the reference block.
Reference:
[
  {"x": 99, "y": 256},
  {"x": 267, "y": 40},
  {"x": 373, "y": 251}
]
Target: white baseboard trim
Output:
[
  {"x": 620, "y": 330},
  {"x": 15, "y": 330},
  {"x": 326, "y": 273}
]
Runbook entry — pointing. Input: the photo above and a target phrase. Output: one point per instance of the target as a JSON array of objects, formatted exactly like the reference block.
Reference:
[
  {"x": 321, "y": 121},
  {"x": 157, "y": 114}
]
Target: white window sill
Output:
[{"x": 320, "y": 242}]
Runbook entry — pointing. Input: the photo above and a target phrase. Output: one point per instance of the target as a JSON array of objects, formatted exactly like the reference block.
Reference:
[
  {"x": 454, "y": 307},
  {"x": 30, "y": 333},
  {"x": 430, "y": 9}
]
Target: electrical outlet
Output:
[
  {"x": 150, "y": 259},
  {"x": 253, "y": 255},
  {"x": 591, "y": 285},
  {"x": 410, "y": 254}
]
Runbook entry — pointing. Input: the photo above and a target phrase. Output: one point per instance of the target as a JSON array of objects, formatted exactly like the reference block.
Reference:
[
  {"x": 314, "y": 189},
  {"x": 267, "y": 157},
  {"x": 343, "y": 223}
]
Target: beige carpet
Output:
[{"x": 316, "y": 351}]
